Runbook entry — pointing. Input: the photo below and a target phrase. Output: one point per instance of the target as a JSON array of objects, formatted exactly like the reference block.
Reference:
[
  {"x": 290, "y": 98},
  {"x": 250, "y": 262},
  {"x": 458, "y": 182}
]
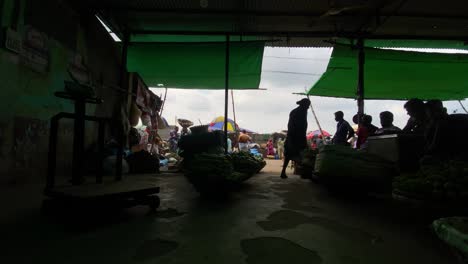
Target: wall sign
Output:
[
  {"x": 13, "y": 40},
  {"x": 35, "y": 50}
]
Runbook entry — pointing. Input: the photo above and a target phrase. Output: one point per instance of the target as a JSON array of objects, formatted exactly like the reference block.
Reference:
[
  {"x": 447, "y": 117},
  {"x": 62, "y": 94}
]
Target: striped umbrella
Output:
[
  {"x": 218, "y": 124},
  {"x": 317, "y": 133}
]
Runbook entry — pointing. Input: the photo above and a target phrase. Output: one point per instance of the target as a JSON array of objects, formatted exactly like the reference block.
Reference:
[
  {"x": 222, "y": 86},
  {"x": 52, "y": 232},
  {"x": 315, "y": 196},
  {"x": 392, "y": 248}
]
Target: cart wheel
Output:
[{"x": 154, "y": 202}]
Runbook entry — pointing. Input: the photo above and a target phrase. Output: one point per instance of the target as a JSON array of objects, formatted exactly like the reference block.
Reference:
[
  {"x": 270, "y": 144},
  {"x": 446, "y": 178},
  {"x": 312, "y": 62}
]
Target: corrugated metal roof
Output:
[
  {"x": 301, "y": 21},
  {"x": 299, "y": 42}
]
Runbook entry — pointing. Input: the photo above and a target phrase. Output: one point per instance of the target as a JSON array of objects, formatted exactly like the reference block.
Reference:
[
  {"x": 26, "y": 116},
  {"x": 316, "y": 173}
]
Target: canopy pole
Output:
[
  {"x": 313, "y": 112},
  {"x": 233, "y": 109},
  {"x": 316, "y": 119},
  {"x": 360, "y": 84},
  {"x": 163, "y": 103},
  {"x": 236, "y": 132},
  {"x": 226, "y": 95},
  {"x": 122, "y": 137},
  {"x": 463, "y": 107}
]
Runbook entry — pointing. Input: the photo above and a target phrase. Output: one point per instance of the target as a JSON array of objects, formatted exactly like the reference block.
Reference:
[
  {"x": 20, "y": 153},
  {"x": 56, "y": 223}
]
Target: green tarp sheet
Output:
[
  {"x": 397, "y": 75},
  {"x": 197, "y": 65}
]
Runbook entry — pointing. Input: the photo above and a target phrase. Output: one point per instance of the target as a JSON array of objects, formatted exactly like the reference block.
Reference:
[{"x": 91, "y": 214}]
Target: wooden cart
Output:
[{"x": 116, "y": 192}]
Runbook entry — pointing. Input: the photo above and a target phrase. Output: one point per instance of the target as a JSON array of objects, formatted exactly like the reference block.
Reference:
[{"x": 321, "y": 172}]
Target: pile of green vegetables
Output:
[
  {"x": 436, "y": 180},
  {"x": 307, "y": 163},
  {"x": 245, "y": 162},
  {"x": 308, "y": 157},
  {"x": 206, "y": 170},
  {"x": 215, "y": 172}
]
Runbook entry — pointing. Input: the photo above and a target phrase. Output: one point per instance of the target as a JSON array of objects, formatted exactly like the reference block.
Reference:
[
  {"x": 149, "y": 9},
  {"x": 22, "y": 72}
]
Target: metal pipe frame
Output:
[
  {"x": 226, "y": 94},
  {"x": 304, "y": 34},
  {"x": 247, "y": 12},
  {"x": 360, "y": 84},
  {"x": 120, "y": 130},
  {"x": 53, "y": 136}
]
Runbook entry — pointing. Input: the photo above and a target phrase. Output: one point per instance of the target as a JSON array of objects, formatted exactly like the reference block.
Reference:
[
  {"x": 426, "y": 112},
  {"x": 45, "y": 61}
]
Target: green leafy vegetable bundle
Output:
[
  {"x": 208, "y": 171},
  {"x": 216, "y": 172},
  {"x": 247, "y": 163},
  {"x": 438, "y": 180}
]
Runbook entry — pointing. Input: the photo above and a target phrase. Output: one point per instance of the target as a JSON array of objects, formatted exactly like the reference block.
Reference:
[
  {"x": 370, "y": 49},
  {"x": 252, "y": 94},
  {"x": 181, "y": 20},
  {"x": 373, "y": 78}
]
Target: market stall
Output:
[
  {"x": 227, "y": 64},
  {"x": 214, "y": 45},
  {"x": 399, "y": 75}
]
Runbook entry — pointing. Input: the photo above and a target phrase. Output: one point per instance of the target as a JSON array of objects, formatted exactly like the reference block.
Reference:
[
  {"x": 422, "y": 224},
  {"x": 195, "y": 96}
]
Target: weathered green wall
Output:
[{"x": 27, "y": 100}]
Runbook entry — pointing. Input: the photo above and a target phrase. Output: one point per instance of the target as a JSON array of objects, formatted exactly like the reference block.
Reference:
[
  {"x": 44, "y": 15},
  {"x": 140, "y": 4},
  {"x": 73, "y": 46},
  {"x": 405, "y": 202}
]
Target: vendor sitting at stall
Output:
[
  {"x": 174, "y": 139},
  {"x": 386, "y": 120},
  {"x": 185, "y": 131},
  {"x": 229, "y": 145},
  {"x": 244, "y": 141},
  {"x": 365, "y": 130},
  {"x": 445, "y": 134},
  {"x": 437, "y": 122},
  {"x": 418, "y": 119},
  {"x": 140, "y": 160}
]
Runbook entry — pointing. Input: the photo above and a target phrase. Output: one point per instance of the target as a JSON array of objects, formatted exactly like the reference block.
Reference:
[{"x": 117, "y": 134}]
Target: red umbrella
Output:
[{"x": 317, "y": 133}]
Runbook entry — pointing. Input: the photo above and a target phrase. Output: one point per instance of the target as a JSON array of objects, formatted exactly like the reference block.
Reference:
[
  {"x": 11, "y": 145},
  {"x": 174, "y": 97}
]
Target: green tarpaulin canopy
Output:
[
  {"x": 397, "y": 75},
  {"x": 197, "y": 65}
]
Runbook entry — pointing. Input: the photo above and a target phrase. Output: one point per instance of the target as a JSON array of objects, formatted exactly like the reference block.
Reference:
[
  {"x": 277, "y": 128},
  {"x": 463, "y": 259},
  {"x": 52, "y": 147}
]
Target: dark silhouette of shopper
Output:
[
  {"x": 296, "y": 140},
  {"x": 344, "y": 131},
  {"x": 418, "y": 118}
]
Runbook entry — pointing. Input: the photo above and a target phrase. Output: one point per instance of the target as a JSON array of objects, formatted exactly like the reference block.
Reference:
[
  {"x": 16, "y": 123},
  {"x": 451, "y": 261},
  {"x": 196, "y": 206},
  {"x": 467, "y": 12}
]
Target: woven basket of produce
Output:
[
  {"x": 217, "y": 173},
  {"x": 184, "y": 122},
  {"x": 199, "y": 129},
  {"x": 199, "y": 143}
]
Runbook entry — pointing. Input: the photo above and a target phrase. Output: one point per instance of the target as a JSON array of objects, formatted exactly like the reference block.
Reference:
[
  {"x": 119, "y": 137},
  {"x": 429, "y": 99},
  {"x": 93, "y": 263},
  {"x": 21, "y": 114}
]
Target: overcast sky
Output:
[{"x": 285, "y": 71}]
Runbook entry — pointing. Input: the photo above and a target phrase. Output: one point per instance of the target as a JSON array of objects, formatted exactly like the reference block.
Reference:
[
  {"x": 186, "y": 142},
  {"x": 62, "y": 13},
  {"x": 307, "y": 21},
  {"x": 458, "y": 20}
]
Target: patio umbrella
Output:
[
  {"x": 317, "y": 133},
  {"x": 218, "y": 124}
]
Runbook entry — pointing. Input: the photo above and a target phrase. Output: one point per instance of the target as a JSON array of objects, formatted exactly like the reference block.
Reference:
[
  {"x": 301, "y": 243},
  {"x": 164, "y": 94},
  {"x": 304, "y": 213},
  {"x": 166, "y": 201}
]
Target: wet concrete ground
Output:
[{"x": 269, "y": 220}]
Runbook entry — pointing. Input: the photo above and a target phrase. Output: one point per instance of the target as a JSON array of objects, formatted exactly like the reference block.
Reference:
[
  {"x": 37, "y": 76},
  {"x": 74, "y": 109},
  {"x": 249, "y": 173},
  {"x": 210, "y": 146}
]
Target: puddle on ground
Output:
[
  {"x": 277, "y": 250},
  {"x": 285, "y": 219},
  {"x": 169, "y": 213},
  {"x": 301, "y": 206},
  {"x": 257, "y": 196},
  {"x": 295, "y": 200},
  {"x": 154, "y": 248},
  {"x": 349, "y": 260}
]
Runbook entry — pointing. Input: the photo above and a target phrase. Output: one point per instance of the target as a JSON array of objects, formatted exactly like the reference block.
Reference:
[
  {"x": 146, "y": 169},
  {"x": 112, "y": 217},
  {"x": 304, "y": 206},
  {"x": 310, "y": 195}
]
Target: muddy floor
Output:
[{"x": 269, "y": 220}]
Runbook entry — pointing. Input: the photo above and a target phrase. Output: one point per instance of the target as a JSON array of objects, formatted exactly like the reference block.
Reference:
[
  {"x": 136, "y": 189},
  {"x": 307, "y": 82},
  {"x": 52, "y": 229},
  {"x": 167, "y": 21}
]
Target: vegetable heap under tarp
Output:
[
  {"x": 216, "y": 173},
  {"x": 307, "y": 163},
  {"x": 436, "y": 180}
]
